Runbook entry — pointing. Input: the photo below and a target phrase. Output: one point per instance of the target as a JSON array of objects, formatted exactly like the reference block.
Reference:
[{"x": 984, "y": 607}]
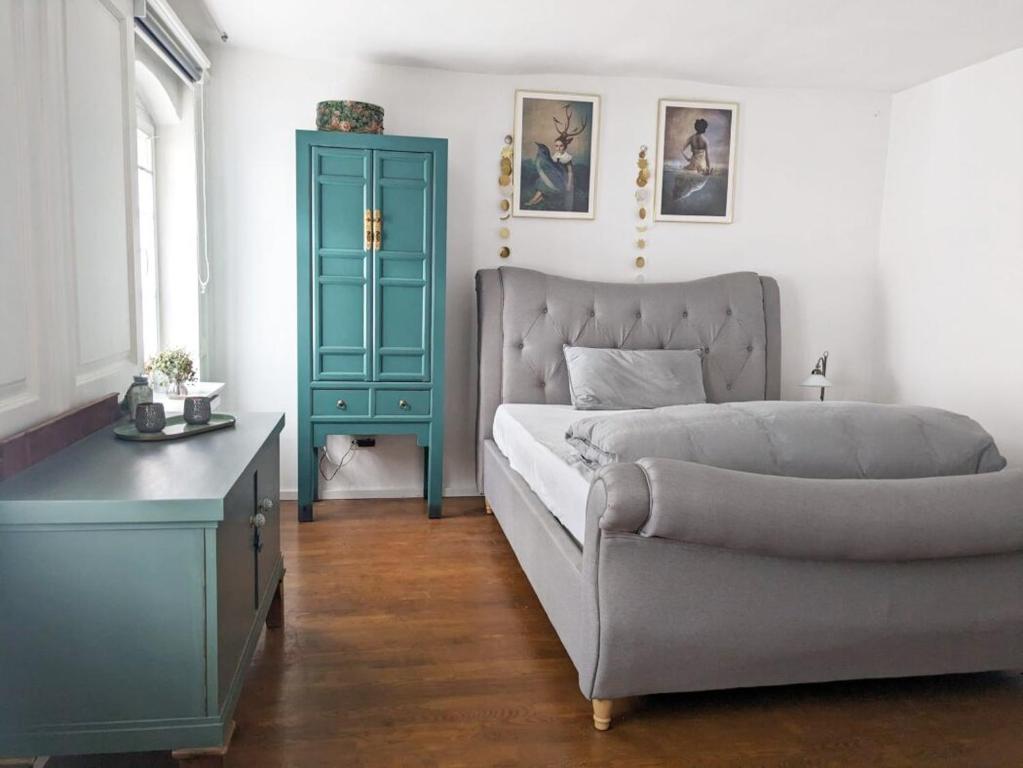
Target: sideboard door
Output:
[
  {"x": 236, "y": 579},
  {"x": 342, "y": 263},
  {"x": 403, "y": 194},
  {"x": 268, "y": 494}
]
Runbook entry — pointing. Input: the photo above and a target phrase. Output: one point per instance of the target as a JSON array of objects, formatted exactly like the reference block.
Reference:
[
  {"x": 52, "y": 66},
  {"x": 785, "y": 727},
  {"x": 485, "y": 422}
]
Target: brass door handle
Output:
[
  {"x": 403, "y": 404},
  {"x": 367, "y": 241},
  {"x": 378, "y": 228},
  {"x": 342, "y": 405}
]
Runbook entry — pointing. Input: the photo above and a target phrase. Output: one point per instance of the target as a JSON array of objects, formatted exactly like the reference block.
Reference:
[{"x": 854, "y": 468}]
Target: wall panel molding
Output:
[{"x": 68, "y": 277}]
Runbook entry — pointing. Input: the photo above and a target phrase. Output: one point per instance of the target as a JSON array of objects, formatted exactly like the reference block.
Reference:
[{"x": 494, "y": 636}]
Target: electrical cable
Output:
[{"x": 345, "y": 460}]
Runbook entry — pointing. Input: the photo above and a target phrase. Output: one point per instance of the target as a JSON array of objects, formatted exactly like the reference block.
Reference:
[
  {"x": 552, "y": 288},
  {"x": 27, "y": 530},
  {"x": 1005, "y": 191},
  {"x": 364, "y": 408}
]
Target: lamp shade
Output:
[{"x": 816, "y": 380}]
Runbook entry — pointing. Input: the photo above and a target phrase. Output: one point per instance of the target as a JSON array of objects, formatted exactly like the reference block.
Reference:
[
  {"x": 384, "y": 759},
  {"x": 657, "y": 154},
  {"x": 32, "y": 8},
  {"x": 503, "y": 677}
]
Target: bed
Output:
[{"x": 790, "y": 580}]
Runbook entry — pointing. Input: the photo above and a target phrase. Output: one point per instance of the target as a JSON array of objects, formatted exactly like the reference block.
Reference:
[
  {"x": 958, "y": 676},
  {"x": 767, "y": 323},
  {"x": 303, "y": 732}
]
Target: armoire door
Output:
[
  {"x": 342, "y": 264},
  {"x": 403, "y": 196}
]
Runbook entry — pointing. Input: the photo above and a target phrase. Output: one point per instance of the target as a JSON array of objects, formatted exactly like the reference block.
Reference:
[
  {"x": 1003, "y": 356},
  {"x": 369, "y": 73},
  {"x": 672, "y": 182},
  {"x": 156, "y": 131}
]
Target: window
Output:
[
  {"x": 171, "y": 239},
  {"x": 149, "y": 253}
]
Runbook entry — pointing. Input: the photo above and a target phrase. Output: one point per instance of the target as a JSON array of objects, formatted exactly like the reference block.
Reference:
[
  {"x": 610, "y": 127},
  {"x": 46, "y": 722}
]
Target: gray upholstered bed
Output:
[{"x": 777, "y": 579}]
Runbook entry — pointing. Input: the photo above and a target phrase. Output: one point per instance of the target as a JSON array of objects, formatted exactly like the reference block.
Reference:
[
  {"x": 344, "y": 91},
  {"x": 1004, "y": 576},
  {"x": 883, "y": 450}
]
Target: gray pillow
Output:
[{"x": 613, "y": 379}]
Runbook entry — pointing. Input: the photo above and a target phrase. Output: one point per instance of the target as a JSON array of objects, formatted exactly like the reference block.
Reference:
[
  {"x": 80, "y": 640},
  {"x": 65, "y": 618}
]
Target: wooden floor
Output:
[{"x": 415, "y": 642}]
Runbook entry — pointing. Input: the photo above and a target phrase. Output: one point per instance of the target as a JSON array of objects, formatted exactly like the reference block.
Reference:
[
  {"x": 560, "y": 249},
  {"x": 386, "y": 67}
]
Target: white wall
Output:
[
  {"x": 810, "y": 172},
  {"x": 951, "y": 256}
]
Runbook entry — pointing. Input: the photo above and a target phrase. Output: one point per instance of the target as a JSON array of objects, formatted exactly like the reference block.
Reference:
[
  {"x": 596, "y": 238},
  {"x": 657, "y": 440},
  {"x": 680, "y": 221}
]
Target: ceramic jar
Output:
[{"x": 138, "y": 392}]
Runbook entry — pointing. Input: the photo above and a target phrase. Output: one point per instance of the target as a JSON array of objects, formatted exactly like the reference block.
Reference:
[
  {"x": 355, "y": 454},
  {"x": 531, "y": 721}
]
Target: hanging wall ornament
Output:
[
  {"x": 505, "y": 182},
  {"x": 642, "y": 211}
]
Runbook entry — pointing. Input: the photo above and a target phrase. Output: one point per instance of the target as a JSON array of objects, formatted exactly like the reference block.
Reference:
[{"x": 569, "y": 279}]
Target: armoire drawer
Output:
[
  {"x": 401, "y": 402},
  {"x": 341, "y": 402}
]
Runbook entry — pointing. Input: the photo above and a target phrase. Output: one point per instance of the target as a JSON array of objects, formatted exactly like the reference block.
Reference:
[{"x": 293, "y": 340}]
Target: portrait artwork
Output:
[
  {"x": 556, "y": 154},
  {"x": 695, "y": 161}
]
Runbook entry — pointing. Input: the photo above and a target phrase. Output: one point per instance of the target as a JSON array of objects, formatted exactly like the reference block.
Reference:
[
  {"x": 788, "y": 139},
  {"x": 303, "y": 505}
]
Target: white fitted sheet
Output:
[{"x": 532, "y": 437}]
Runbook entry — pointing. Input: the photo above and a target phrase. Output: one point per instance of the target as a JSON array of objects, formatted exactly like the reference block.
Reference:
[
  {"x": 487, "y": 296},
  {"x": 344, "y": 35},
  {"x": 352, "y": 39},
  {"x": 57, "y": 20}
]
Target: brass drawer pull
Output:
[
  {"x": 342, "y": 405},
  {"x": 367, "y": 243},
  {"x": 404, "y": 405},
  {"x": 378, "y": 228}
]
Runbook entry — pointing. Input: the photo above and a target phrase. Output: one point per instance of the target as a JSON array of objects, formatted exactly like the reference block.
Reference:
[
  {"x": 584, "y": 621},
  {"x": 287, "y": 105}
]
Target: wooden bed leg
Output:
[
  {"x": 602, "y": 713},
  {"x": 207, "y": 757},
  {"x": 486, "y": 507}
]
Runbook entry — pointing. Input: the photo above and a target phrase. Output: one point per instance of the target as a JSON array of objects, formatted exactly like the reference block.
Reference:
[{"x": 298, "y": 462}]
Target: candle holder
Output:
[{"x": 150, "y": 417}]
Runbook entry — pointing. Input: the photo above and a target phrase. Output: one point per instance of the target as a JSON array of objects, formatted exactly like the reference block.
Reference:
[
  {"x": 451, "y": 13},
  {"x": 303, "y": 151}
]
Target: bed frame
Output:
[{"x": 789, "y": 580}]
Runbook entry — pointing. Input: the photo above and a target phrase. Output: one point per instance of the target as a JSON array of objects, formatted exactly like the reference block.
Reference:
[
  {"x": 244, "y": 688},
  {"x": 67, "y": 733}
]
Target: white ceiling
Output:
[{"x": 872, "y": 44}]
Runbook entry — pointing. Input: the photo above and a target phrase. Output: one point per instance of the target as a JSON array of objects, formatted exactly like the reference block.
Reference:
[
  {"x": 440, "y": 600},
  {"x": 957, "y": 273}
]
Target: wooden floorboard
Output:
[{"x": 416, "y": 642}]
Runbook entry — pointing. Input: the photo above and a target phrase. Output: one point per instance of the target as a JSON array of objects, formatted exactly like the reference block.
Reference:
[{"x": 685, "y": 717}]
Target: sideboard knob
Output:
[
  {"x": 403, "y": 404},
  {"x": 342, "y": 405},
  {"x": 258, "y": 520},
  {"x": 266, "y": 504}
]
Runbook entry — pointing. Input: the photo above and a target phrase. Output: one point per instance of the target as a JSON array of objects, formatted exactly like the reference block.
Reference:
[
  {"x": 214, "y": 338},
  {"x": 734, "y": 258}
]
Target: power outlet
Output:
[{"x": 366, "y": 442}]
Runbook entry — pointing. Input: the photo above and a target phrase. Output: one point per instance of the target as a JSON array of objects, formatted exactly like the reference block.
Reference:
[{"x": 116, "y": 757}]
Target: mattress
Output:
[{"x": 532, "y": 438}]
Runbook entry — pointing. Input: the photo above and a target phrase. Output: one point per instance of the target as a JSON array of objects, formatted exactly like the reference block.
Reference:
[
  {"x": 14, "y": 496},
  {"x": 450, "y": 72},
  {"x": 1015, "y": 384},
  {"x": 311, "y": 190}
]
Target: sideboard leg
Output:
[
  {"x": 204, "y": 757},
  {"x": 275, "y": 616}
]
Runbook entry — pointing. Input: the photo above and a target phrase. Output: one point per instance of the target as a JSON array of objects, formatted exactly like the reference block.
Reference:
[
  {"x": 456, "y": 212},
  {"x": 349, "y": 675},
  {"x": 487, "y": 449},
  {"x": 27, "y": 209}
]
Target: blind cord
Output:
[{"x": 204, "y": 281}]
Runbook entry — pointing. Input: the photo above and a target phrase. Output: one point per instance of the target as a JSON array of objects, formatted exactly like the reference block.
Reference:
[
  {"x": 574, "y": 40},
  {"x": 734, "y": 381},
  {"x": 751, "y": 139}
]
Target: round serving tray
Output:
[{"x": 176, "y": 428}]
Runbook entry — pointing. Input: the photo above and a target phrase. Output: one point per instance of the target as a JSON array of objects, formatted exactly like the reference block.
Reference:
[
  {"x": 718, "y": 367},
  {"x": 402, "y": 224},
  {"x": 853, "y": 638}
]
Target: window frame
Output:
[{"x": 146, "y": 125}]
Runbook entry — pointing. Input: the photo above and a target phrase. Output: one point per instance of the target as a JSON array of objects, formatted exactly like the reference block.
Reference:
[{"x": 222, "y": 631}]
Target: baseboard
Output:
[{"x": 290, "y": 494}]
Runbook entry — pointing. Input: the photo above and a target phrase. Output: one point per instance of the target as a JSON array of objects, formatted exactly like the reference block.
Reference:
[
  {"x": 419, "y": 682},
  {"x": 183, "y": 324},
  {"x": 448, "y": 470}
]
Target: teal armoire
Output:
[{"x": 372, "y": 214}]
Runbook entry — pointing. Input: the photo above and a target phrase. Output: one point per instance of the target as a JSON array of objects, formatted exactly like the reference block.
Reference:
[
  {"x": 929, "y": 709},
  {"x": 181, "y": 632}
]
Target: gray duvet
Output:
[{"x": 795, "y": 439}]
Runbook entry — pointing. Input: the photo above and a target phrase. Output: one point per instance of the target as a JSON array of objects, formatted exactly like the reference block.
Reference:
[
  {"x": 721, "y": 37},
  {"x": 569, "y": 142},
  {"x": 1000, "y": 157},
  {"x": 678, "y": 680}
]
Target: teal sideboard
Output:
[
  {"x": 372, "y": 213},
  {"x": 134, "y": 582}
]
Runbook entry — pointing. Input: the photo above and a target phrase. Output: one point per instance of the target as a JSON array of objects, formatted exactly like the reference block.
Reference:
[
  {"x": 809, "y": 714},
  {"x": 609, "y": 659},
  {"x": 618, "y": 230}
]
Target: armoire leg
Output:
[
  {"x": 426, "y": 472},
  {"x": 307, "y": 483},
  {"x": 435, "y": 478}
]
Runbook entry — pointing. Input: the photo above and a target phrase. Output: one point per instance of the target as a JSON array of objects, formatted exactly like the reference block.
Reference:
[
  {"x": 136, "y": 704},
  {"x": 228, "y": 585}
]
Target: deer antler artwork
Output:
[{"x": 565, "y": 132}]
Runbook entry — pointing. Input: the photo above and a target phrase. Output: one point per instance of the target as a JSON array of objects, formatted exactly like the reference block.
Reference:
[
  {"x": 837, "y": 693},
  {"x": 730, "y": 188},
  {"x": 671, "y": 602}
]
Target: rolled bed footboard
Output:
[
  {"x": 871, "y": 520},
  {"x": 703, "y": 578}
]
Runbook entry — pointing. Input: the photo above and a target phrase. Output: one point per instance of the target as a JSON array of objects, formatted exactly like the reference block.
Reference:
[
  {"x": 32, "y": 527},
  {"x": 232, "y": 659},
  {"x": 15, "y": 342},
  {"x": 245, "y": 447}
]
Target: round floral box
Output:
[{"x": 349, "y": 117}]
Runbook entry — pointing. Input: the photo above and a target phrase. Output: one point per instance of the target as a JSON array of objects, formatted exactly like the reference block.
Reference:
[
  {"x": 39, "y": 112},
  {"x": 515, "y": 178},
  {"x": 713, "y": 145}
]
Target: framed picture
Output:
[
  {"x": 695, "y": 161},
  {"x": 555, "y": 154}
]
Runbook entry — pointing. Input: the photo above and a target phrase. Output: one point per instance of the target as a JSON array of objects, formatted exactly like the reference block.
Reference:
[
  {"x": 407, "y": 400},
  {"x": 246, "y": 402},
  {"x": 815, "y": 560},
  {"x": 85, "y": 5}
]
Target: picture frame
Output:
[
  {"x": 695, "y": 161},
  {"x": 556, "y": 139}
]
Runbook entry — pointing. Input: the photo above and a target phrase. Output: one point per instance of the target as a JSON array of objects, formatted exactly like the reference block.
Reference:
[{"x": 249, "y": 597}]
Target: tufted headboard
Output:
[{"x": 525, "y": 317}]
